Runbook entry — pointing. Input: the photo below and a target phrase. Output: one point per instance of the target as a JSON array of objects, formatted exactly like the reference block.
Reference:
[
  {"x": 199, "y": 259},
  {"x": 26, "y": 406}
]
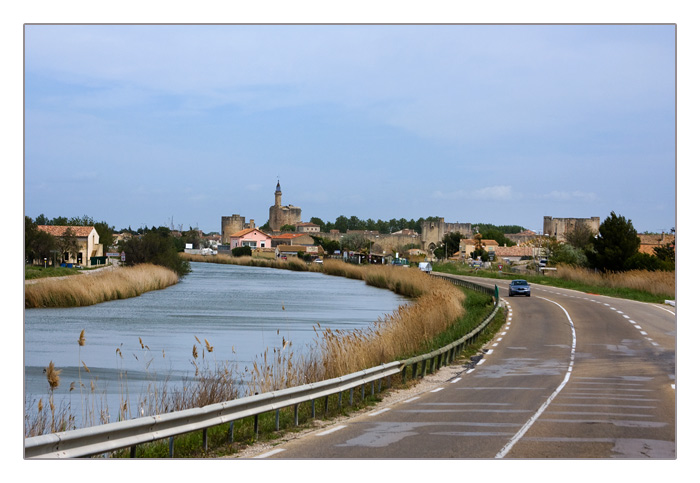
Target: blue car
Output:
[{"x": 519, "y": 287}]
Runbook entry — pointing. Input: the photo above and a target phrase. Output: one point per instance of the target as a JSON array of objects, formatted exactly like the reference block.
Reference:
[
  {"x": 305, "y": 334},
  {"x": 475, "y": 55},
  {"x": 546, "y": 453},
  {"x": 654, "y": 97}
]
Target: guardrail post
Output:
[
  {"x": 352, "y": 390},
  {"x": 230, "y": 432},
  {"x": 132, "y": 453},
  {"x": 256, "y": 426},
  {"x": 414, "y": 370},
  {"x": 363, "y": 392},
  {"x": 171, "y": 446},
  {"x": 326, "y": 408},
  {"x": 205, "y": 439},
  {"x": 296, "y": 415},
  {"x": 340, "y": 399},
  {"x": 277, "y": 420},
  {"x": 313, "y": 409}
]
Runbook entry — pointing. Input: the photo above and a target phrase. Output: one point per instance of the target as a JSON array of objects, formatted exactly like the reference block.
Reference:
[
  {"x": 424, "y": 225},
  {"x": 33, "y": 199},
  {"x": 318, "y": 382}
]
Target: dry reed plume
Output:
[
  {"x": 657, "y": 282},
  {"x": 90, "y": 289}
]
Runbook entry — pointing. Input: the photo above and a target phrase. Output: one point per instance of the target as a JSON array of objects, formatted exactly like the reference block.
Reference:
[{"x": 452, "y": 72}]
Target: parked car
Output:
[{"x": 519, "y": 287}]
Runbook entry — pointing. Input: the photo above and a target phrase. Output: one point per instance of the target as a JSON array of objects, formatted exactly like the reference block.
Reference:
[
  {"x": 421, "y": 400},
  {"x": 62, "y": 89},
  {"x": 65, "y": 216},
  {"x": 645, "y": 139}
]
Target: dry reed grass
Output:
[
  {"x": 658, "y": 282},
  {"x": 93, "y": 288}
]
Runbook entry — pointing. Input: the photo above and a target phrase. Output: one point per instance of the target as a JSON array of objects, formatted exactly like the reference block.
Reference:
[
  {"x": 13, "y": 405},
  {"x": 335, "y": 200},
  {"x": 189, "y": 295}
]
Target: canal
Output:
[{"x": 239, "y": 311}]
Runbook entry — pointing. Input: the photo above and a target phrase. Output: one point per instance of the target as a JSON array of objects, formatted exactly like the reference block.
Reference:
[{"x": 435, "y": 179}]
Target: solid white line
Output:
[
  {"x": 269, "y": 453},
  {"x": 333, "y": 430},
  {"x": 504, "y": 451}
]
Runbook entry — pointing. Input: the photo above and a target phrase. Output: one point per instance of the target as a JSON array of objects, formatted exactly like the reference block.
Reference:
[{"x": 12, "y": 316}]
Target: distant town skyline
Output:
[{"x": 148, "y": 125}]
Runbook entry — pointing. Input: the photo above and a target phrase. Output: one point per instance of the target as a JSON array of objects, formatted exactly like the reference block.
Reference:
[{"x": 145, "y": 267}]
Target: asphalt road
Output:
[{"x": 571, "y": 375}]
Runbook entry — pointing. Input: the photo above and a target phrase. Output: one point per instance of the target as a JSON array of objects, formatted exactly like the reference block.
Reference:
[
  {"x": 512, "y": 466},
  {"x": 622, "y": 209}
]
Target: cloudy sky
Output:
[{"x": 142, "y": 125}]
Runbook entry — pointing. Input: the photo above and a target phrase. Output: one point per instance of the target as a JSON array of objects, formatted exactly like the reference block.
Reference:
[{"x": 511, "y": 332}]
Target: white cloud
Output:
[
  {"x": 570, "y": 196},
  {"x": 489, "y": 193}
]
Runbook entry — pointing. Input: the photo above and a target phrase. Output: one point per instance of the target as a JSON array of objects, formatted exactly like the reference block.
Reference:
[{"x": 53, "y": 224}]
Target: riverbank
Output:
[{"x": 98, "y": 286}]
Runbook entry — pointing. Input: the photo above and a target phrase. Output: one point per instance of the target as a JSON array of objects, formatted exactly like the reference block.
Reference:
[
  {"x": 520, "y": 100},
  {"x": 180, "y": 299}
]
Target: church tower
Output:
[
  {"x": 282, "y": 215},
  {"x": 278, "y": 195}
]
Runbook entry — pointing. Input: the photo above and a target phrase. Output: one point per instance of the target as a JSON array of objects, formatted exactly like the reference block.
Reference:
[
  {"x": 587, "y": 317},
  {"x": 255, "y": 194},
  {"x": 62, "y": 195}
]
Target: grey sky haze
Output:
[{"x": 140, "y": 124}]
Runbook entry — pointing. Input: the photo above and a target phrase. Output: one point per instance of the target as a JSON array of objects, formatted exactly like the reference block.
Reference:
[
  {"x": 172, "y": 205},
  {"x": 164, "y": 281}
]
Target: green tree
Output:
[
  {"x": 580, "y": 237},
  {"x": 287, "y": 228},
  {"x": 616, "y": 242},
  {"x": 155, "y": 246}
]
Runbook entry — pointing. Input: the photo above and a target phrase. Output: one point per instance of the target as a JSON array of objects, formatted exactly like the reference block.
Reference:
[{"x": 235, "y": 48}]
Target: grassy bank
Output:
[
  {"x": 93, "y": 288},
  {"x": 640, "y": 285}
]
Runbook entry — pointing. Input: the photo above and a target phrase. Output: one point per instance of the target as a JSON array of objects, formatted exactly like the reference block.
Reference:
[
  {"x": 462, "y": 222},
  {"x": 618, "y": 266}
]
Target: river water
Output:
[{"x": 240, "y": 311}]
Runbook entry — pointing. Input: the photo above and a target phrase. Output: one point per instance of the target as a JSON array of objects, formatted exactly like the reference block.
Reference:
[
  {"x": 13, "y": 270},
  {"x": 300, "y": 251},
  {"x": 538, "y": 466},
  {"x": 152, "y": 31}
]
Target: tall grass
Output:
[
  {"x": 657, "y": 282},
  {"x": 102, "y": 286}
]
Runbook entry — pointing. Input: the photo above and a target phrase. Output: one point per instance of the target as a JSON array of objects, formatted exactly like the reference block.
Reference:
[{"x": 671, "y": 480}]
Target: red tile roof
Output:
[{"x": 78, "y": 231}]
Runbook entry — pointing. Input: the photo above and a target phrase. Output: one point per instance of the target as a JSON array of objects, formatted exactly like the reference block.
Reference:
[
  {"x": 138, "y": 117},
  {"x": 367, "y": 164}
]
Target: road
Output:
[{"x": 571, "y": 375}]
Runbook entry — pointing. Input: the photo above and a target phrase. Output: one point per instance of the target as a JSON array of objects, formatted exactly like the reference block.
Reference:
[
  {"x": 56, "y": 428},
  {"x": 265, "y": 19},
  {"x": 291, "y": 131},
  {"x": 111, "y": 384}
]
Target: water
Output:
[{"x": 240, "y": 311}]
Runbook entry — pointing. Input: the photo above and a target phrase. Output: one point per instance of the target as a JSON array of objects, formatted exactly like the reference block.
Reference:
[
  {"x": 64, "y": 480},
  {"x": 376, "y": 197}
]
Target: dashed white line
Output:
[
  {"x": 379, "y": 412},
  {"x": 332, "y": 430},
  {"x": 437, "y": 389},
  {"x": 269, "y": 453}
]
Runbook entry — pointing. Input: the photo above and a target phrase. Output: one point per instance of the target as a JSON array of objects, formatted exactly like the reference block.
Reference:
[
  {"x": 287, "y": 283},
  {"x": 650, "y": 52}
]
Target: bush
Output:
[
  {"x": 242, "y": 252},
  {"x": 644, "y": 261}
]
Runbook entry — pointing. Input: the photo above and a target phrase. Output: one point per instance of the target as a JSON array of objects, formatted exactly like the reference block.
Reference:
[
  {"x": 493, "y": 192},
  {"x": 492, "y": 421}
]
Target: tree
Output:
[
  {"x": 287, "y": 228},
  {"x": 580, "y": 237},
  {"x": 155, "y": 246},
  {"x": 68, "y": 243},
  {"x": 616, "y": 242}
]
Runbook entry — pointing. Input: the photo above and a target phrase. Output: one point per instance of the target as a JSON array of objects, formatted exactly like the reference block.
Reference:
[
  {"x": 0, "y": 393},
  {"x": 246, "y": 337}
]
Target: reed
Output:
[
  {"x": 96, "y": 287},
  {"x": 660, "y": 283}
]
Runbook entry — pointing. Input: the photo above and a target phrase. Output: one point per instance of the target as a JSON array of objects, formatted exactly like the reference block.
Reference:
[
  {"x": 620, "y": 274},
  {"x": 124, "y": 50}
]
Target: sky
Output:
[{"x": 150, "y": 125}]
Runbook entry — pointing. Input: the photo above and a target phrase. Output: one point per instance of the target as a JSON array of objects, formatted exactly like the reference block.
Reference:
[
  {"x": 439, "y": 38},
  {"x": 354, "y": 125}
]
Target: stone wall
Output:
[{"x": 559, "y": 227}]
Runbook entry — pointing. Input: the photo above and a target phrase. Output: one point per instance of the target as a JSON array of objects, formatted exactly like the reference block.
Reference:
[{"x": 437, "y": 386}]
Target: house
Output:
[
  {"x": 468, "y": 245},
  {"x": 308, "y": 228},
  {"x": 515, "y": 254},
  {"x": 289, "y": 251},
  {"x": 87, "y": 251},
  {"x": 250, "y": 237},
  {"x": 292, "y": 239}
]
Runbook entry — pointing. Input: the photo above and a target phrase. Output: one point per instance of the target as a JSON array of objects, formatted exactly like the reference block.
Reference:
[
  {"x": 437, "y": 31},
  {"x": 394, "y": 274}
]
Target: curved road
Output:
[{"x": 571, "y": 375}]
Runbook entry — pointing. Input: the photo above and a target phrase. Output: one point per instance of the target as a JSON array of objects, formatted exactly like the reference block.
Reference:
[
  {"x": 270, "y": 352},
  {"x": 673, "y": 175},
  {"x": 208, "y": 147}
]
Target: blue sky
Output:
[{"x": 137, "y": 125}]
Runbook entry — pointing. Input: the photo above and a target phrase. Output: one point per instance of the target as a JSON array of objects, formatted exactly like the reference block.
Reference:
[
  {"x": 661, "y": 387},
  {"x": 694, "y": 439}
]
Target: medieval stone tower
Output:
[{"x": 283, "y": 215}]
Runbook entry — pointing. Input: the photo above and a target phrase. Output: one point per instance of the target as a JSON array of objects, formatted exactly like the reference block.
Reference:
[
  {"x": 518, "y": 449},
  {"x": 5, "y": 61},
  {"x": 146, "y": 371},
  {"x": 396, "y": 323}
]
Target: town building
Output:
[
  {"x": 250, "y": 237},
  {"x": 87, "y": 251}
]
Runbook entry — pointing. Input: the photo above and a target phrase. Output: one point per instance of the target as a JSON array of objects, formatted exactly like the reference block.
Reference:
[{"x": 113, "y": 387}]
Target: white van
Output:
[{"x": 425, "y": 267}]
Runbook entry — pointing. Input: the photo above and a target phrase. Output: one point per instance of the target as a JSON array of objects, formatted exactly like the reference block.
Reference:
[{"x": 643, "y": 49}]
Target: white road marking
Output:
[
  {"x": 504, "y": 451},
  {"x": 438, "y": 389},
  {"x": 379, "y": 412},
  {"x": 332, "y": 430},
  {"x": 411, "y": 400},
  {"x": 456, "y": 379},
  {"x": 269, "y": 453}
]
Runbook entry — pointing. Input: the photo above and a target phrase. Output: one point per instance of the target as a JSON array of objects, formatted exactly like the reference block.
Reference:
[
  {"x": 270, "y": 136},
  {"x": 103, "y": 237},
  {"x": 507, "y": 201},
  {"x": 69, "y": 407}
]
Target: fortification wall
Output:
[{"x": 559, "y": 227}]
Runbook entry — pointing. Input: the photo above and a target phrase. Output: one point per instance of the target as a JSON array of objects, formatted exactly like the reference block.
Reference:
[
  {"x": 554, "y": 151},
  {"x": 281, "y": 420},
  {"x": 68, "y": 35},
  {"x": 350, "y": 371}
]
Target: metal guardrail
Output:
[{"x": 124, "y": 434}]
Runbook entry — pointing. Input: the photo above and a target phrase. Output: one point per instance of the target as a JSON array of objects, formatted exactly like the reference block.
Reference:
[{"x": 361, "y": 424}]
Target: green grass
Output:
[
  {"x": 551, "y": 281},
  {"x": 33, "y": 272}
]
